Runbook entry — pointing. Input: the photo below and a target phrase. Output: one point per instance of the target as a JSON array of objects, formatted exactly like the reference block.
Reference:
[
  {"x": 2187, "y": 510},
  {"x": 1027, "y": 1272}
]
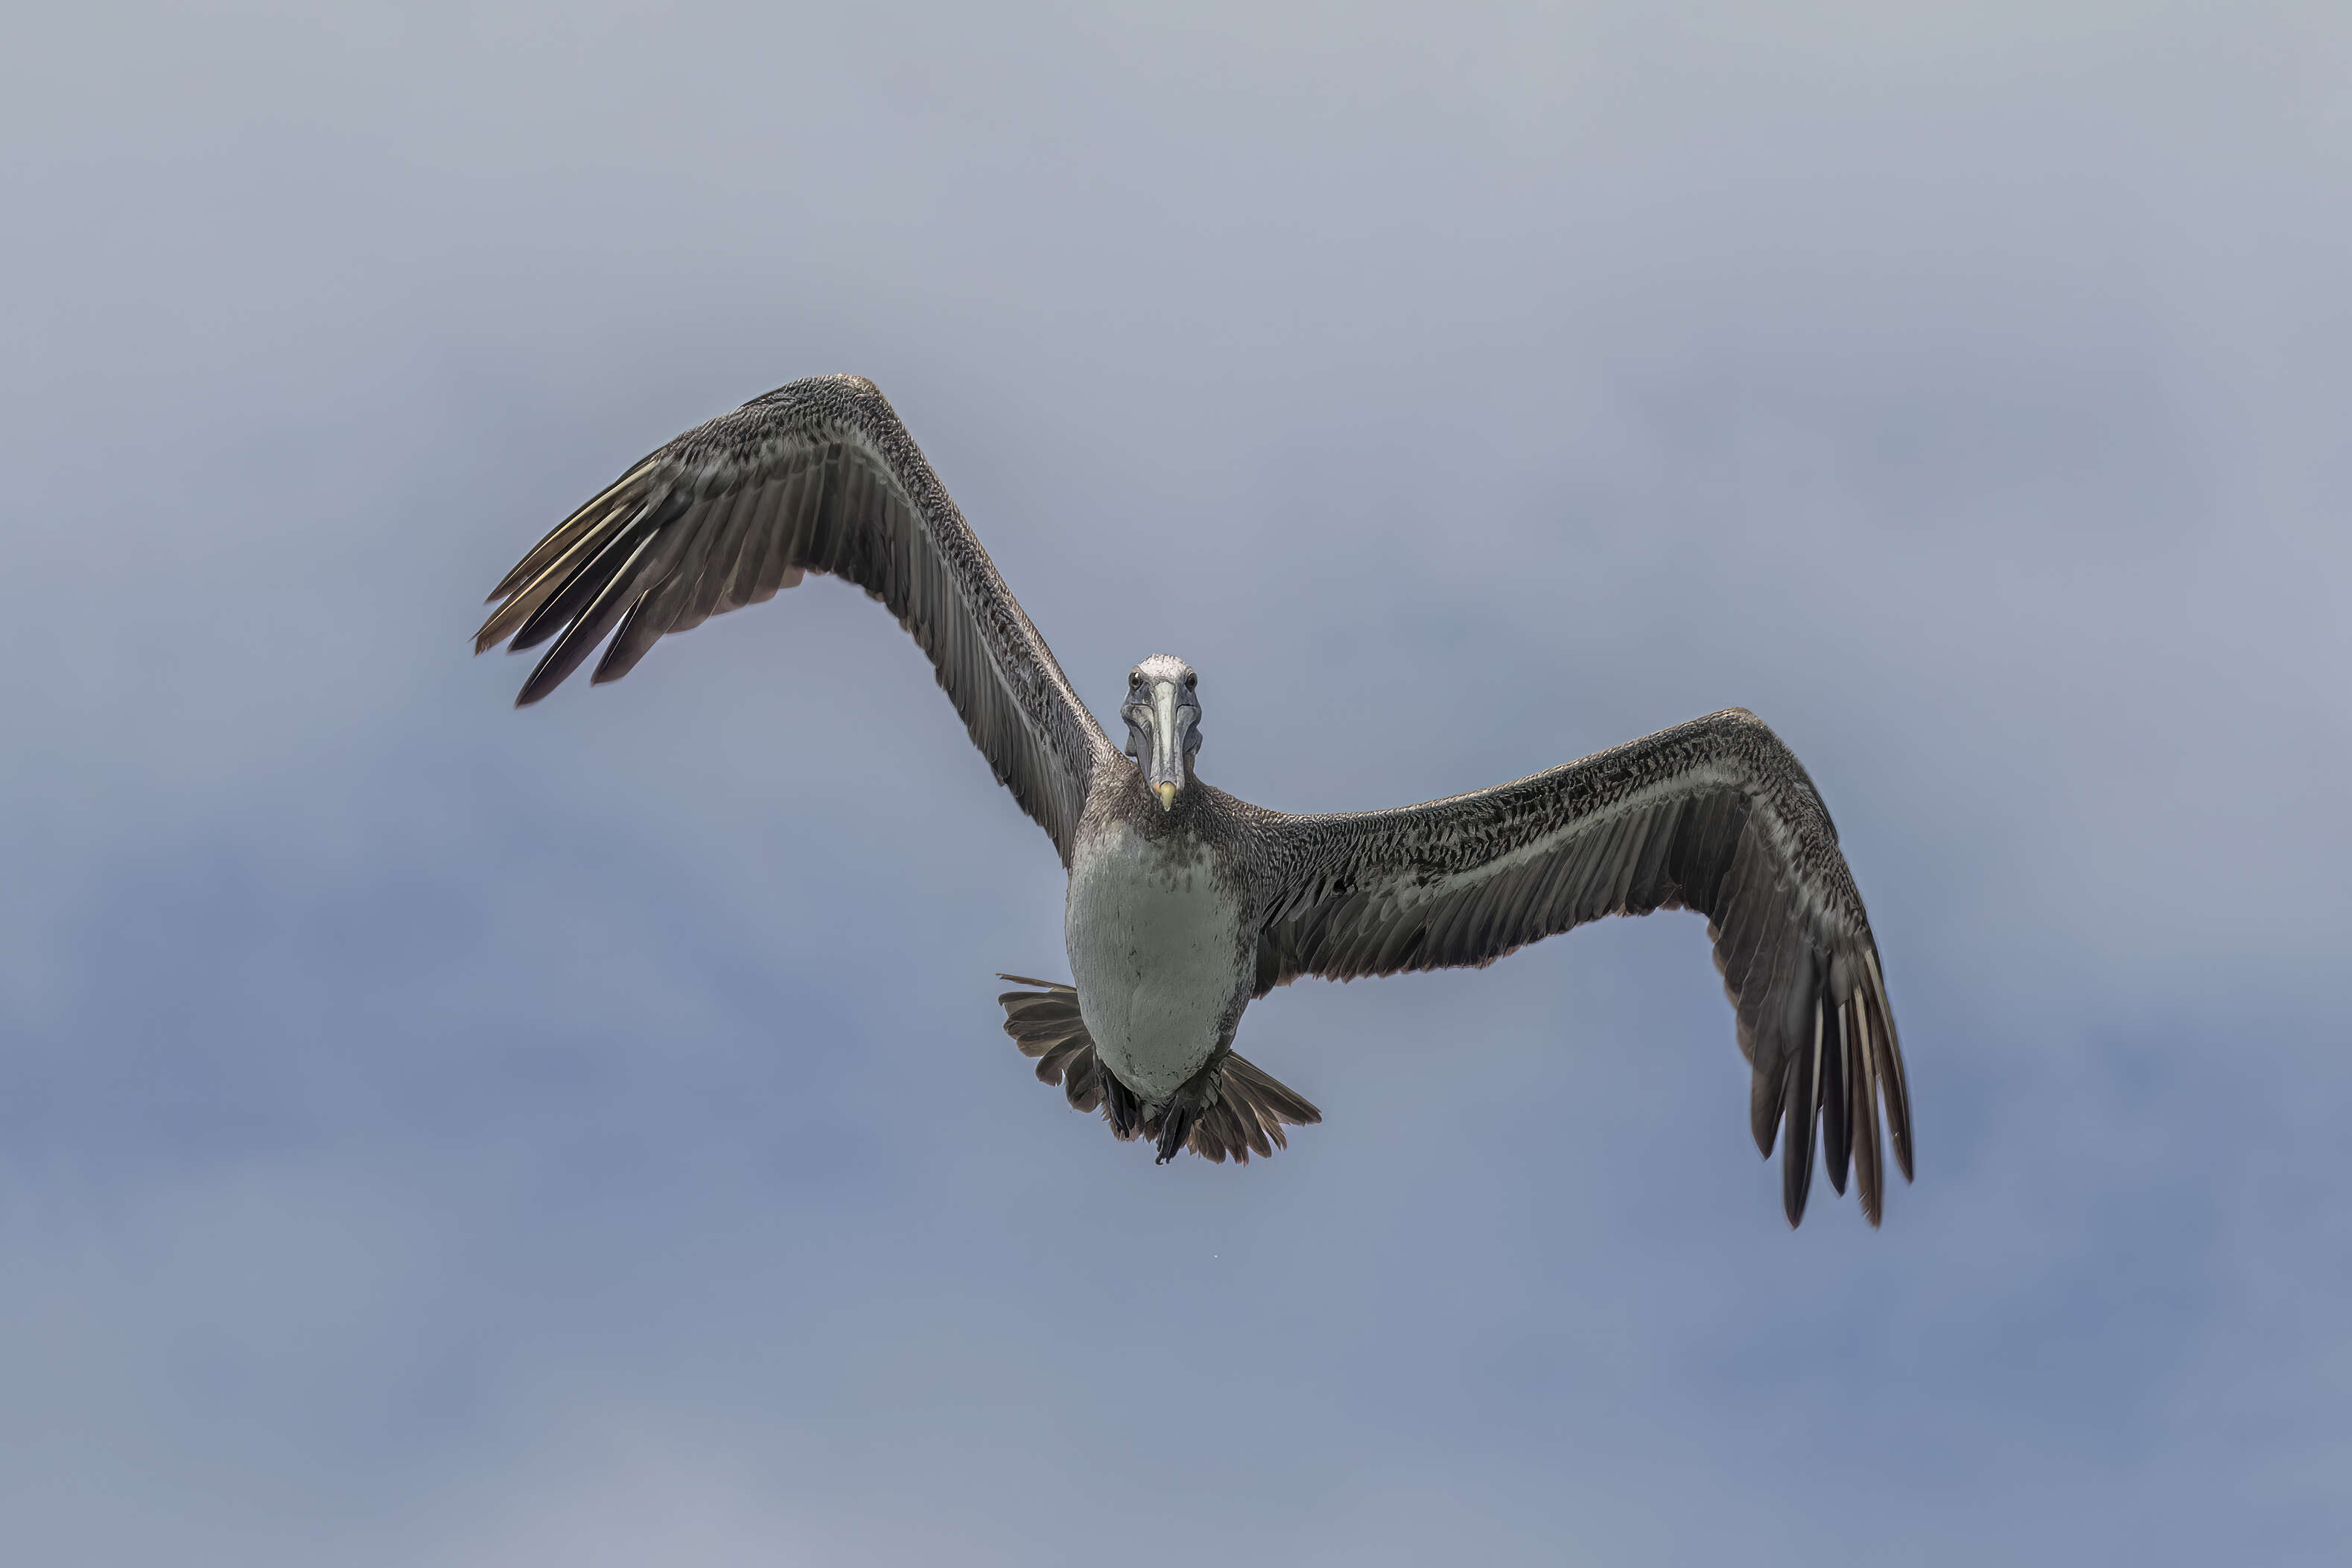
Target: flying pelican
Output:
[{"x": 1185, "y": 904}]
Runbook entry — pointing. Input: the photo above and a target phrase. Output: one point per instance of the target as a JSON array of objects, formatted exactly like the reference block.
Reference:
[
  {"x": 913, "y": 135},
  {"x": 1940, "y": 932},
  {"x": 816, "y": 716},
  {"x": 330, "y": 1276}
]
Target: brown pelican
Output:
[{"x": 1185, "y": 904}]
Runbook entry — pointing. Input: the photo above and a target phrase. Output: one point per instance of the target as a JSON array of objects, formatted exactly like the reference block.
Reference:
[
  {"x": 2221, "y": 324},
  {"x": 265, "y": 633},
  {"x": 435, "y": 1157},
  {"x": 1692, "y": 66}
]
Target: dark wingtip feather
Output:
[
  {"x": 595, "y": 618},
  {"x": 1764, "y": 1111},
  {"x": 1888, "y": 1062},
  {"x": 552, "y": 668},
  {"x": 1898, "y": 1117},
  {"x": 632, "y": 641},
  {"x": 1862, "y": 1091},
  {"x": 1802, "y": 1099},
  {"x": 1836, "y": 1063},
  {"x": 597, "y": 509}
]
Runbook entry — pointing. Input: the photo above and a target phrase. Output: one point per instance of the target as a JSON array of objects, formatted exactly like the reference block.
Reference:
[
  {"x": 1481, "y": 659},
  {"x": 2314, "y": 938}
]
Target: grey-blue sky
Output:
[{"x": 430, "y": 1133}]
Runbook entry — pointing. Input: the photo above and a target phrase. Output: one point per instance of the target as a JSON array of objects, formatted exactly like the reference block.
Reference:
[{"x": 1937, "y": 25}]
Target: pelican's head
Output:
[{"x": 1163, "y": 724}]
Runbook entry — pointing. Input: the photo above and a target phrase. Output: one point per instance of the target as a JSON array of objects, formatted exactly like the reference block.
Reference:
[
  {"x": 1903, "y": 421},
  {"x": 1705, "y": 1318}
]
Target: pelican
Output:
[{"x": 1186, "y": 904}]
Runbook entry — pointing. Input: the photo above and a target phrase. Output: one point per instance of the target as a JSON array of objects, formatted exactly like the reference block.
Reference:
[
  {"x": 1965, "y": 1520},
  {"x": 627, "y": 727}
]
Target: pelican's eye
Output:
[{"x": 1191, "y": 682}]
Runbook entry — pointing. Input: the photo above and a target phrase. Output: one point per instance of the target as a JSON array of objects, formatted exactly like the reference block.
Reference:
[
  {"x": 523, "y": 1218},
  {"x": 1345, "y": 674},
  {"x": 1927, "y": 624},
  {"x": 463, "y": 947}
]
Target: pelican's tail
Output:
[{"x": 1244, "y": 1117}]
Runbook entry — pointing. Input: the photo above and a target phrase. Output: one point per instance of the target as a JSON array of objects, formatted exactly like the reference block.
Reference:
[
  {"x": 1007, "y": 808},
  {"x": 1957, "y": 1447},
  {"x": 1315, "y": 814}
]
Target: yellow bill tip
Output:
[{"x": 1167, "y": 797}]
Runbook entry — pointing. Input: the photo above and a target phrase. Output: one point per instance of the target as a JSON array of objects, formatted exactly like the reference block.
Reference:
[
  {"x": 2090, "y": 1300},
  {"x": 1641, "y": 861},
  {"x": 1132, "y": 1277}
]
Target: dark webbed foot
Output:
[
  {"x": 1175, "y": 1126},
  {"x": 1125, "y": 1112}
]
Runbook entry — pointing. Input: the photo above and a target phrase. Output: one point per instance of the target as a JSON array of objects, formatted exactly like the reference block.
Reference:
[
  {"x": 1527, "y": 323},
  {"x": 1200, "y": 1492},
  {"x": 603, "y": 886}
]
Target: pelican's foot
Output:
[{"x": 1175, "y": 1128}]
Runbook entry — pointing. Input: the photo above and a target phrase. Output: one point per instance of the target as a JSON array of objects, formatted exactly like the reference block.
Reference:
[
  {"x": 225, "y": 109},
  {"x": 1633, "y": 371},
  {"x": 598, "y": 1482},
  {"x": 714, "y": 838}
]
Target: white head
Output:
[{"x": 1163, "y": 724}]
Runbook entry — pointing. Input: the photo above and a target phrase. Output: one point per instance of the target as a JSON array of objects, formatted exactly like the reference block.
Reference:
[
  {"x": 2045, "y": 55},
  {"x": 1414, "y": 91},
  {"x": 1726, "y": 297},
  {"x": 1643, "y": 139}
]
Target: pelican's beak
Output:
[{"x": 1165, "y": 772}]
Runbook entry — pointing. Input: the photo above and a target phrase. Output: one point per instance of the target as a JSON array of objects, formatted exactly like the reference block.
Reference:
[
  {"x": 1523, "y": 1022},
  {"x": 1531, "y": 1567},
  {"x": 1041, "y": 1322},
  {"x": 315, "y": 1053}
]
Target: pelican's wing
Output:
[
  {"x": 820, "y": 476},
  {"x": 1715, "y": 815}
]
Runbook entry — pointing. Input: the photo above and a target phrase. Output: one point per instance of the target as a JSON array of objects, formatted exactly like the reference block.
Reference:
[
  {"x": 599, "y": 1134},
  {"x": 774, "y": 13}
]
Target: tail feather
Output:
[
  {"x": 1248, "y": 1116},
  {"x": 1245, "y": 1117},
  {"x": 1044, "y": 1023}
]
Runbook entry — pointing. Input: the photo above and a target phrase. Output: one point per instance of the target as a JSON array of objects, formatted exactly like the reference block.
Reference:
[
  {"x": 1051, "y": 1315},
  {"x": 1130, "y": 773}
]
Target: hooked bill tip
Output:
[{"x": 1167, "y": 797}]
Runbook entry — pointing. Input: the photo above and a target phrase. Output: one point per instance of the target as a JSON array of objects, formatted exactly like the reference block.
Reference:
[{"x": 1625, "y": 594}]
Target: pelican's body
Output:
[
  {"x": 1185, "y": 904},
  {"x": 1156, "y": 926}
]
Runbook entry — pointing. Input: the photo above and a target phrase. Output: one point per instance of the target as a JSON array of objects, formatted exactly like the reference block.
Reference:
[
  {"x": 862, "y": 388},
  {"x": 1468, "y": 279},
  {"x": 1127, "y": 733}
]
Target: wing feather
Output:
[
  {"x": 1837, "y": 1126},
  {"x": 597, "y": 618},
  {"x": 1716, "y": 816},
  {"x": 1868, "y": 1169},
  {"x": 817, "y": 476}
]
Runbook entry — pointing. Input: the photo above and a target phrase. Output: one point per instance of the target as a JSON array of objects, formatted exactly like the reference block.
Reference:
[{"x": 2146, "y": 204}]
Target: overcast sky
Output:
[{"x": 431, "y": 1134}]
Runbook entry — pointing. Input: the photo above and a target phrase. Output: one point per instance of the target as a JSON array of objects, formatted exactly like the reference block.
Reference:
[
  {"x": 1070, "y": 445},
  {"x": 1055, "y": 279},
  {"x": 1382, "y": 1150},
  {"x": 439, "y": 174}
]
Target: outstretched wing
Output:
[
  {"x": 818, "y": 476},
  {"x": 1715, "y": 815}
]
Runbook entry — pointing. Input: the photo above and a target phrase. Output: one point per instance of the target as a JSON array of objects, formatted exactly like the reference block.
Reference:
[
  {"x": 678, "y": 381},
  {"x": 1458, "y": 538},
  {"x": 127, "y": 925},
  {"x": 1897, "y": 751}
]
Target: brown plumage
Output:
[
  {"x": 816, "y": 476},
  {"x": 1715, "y": 816},
  {"x": 1197, "y": 903}
]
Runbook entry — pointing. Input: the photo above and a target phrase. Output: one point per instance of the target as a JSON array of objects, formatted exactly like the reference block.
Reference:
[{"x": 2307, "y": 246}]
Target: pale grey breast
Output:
[{"x": 1154, "y": 936}]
